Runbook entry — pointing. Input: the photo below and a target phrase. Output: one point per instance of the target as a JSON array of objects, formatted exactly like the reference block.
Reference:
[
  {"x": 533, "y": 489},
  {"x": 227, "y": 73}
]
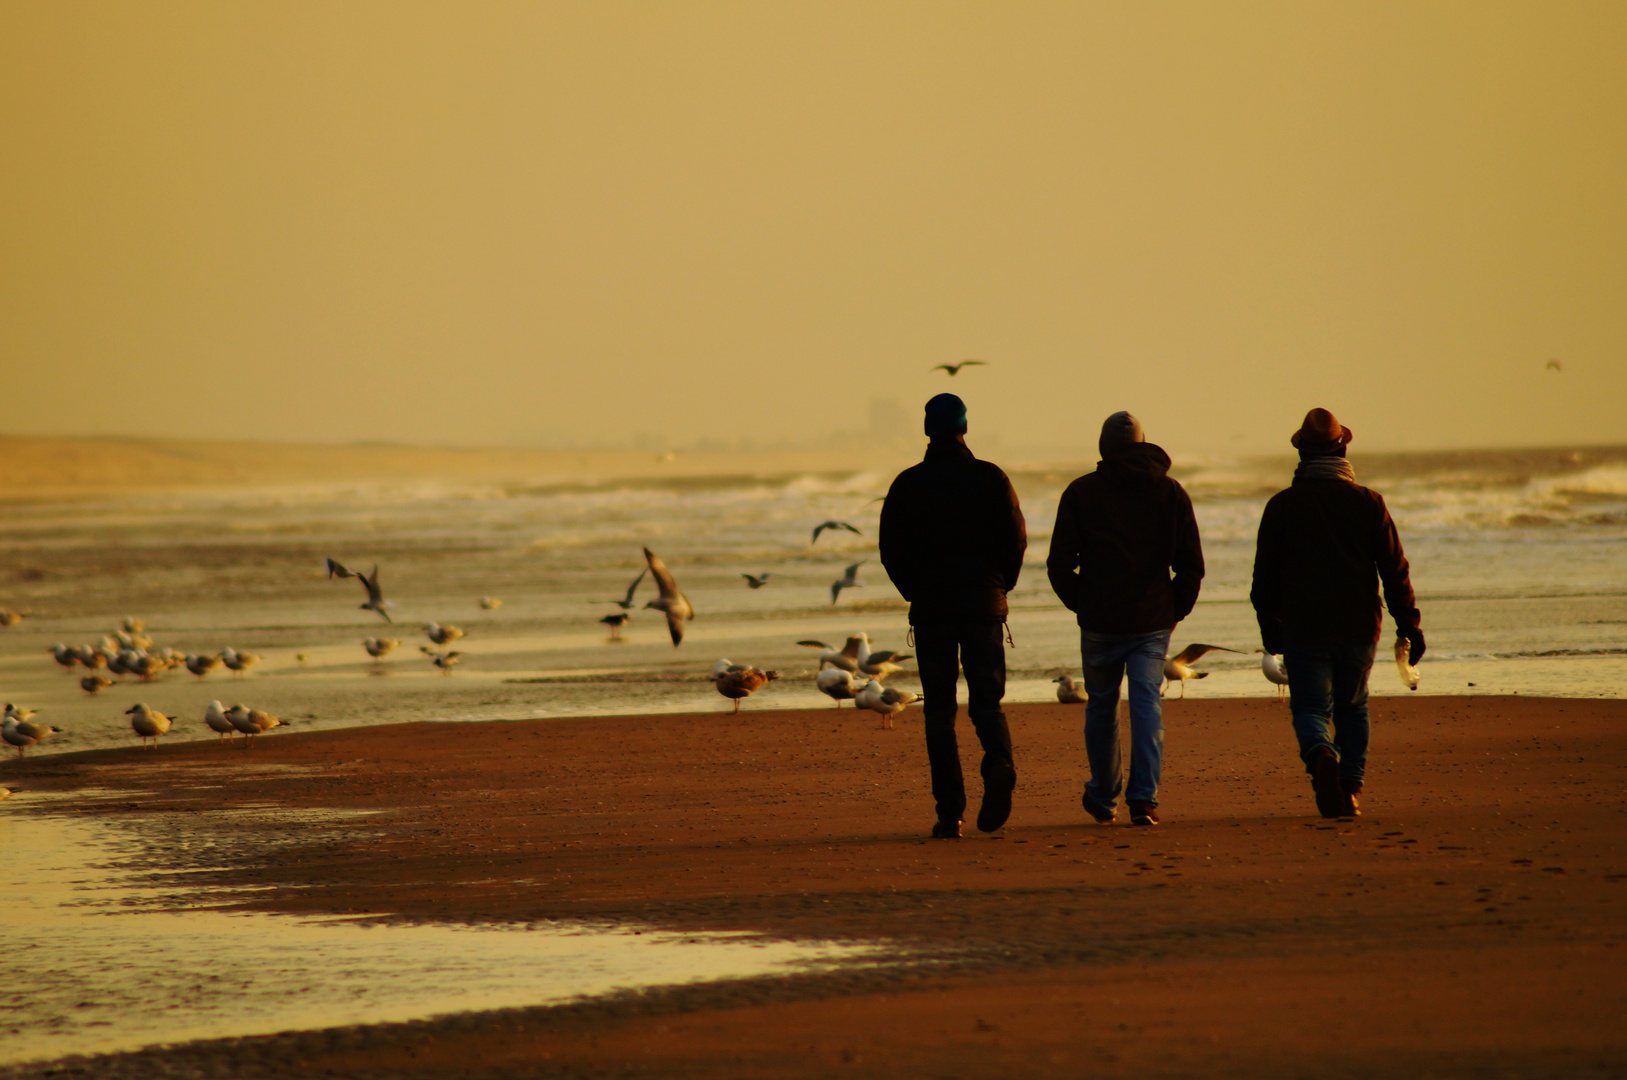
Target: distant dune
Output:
[{"x": 47, "y": 467}]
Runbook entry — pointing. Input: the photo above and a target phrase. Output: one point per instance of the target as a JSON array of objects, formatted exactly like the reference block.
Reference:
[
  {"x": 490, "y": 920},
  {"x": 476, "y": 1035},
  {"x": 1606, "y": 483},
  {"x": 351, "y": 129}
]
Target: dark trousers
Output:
[
  {"x": 942, "y": 650},
  {"x": 1327, "y": 694}
]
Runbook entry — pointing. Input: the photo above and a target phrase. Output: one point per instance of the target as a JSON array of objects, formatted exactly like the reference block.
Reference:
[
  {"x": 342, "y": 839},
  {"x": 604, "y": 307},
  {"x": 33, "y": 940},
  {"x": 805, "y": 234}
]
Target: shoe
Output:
[
  {"x": 998, "y": 785},
  {"x": 1353, "y": 809},
  {"x": 1103, "y": 814},
  {"x": 1330, "y": 797},
  {"x": 946, "y": 830},
  {"x": 1143, "y": 813}
]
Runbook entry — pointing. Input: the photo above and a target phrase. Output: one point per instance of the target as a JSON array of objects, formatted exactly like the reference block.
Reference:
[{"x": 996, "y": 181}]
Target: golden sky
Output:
[{"x": 558, "y": 223}]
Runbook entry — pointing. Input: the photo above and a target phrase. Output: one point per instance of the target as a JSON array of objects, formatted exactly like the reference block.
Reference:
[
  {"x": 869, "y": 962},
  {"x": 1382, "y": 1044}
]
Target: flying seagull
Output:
[
  {"x": 1554, "y": 365},
  {"x": 1177, "y": 668},
  {"x": 755, "y": 581},
  {"x": 375, "y": 598},
  {"x": 832, "y": 525},
  {"x": 846, "y": 658},
  {"x": 954, "y": 369},
  {"x": 849, "y": 580},
  {"x": 626, "y": 602},
  {"x": 671, "y": 601}
]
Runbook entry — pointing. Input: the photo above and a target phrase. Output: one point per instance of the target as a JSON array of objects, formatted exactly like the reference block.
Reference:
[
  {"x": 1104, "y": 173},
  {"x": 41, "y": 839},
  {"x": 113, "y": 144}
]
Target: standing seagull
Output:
[
  {"x": 672, "y": 601},
  {"x": 201, "y": 664},
  {"x": 239, "y": 662},
  {"x": 375, "y": 597},
  {"x": 885, "y": 700},
  {"x": 214, "y": 715},
  {"x": 443, "y": 635},
  {"x": 626, "y": 602},
  {"x": 379, "y": 648},
  {"x": 21, "y": 732},
  {"x": 616, "y": 622},
  {"x": 146, "y": 723},
  {"x": 954, "y": 369},
  {"x": 849, "y": 580},
  {"x": 1274, "y": 670},
  {"x": 1177, "y": 668},
  {"x": 737, "y": 681},
  {"x": 823, "y": 525},
  {"x": 837, "y": 684},
  {"x": 755, "y": 581}
]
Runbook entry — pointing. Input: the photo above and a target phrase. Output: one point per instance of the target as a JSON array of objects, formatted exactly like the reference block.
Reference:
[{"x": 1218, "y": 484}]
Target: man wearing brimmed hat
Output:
[
  {"x": 1325, "y": 545},
  {"x": 952, "y": 540},
  {"x": 1126, "y": 559}
]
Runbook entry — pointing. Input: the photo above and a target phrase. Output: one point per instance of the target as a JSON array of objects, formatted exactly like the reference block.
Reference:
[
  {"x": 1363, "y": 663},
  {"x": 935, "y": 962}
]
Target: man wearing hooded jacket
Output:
[
  {"x": 1126, "y": 559},
  {"x": 952, "y": 540}
]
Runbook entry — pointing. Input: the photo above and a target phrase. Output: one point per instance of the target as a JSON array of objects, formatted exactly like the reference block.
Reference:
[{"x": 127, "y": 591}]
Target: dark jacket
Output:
[
  {"x": 953, "y": 536},
  {"x": 1120, "y": 531},
  {"x": 1324, "y": 547}
]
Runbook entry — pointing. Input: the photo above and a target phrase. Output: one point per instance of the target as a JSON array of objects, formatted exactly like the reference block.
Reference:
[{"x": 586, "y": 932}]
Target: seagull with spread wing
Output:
[
  {"x": 375, "y": 598},
  {"x": 626, "y": 602},
  {"x": 755, "y": 581},
  {"x": 672, "y": 600},
  {"x": 1178, "y": 667},
  {"x": 849, "y": 580},
  {"x": 954, "y": 369},
  {"x": 822, "y": 526}
]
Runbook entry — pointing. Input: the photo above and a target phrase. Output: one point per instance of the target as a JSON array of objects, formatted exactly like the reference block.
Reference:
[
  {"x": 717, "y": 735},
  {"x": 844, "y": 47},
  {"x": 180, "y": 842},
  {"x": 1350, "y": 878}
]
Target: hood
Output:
[{"x": 1135, "y": 465}]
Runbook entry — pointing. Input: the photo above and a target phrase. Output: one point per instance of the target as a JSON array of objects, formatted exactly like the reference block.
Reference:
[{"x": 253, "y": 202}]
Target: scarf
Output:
[{"x": 1325, "y": 468}]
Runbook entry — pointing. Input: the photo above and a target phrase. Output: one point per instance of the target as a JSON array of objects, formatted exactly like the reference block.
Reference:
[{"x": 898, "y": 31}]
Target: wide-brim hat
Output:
[{"x": 1320, "y": 428}]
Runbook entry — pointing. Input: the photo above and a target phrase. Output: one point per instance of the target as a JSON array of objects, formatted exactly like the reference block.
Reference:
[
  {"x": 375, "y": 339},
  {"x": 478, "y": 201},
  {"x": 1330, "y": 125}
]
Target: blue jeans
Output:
[
  {"x": 1327, "y": 694},
  {"x": 1108, "y": 658}
]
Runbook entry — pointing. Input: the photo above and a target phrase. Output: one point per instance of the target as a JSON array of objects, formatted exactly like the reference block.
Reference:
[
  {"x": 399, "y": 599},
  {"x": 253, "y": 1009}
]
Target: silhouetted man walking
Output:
[
  {"x": 952, "y": 540},
  {"x": 1126, "y": 559},
  {"x": 1325, "y": 545}
]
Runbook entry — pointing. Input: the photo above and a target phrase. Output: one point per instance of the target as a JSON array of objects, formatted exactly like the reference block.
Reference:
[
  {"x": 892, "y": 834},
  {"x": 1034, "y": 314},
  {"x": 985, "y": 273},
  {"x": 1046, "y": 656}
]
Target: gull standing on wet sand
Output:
[
  {"x": 214, "y": 715},
  {"x": 443, "y": 635},
  {"x": 239, "y": 662},
  {"x": 672, "y": 600},
  {"x": 1274, "y": 671},
  {"x": 849, "y": 580},
  {"x": 886, "y": 700},
  {"x": 251, "y": 722},
  {"x": 737, "y": 681},
  {"x": 147, "y": 723},
  {"x": 375, "y": 596},
  {"x": 379, "y": 648},
  {"x": 837, "y": 684},
  {"x": 21, "y": 732},
  {"x": 616, "y": 622}
]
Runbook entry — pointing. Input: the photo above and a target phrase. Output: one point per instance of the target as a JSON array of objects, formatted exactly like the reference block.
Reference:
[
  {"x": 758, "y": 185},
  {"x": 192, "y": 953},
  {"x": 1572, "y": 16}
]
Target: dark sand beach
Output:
[{"x": 1470, "y": 923}]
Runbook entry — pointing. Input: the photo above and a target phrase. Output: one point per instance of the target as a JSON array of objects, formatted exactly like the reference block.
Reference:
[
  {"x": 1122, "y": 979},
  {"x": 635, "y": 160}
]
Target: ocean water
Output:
[{"x": 1519, "y": 560}]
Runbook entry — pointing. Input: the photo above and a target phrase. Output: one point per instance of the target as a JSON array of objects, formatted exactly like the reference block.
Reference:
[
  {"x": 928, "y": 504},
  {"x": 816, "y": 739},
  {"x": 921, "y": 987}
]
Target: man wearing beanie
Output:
[
  {"x": 1126, "y": 559},
  {"x": 1325, "y": 545},
  {"x": 952, "y": 540}
]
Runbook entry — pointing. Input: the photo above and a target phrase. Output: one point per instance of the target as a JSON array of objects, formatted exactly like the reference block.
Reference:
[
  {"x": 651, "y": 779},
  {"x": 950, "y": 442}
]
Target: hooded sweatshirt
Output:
[{"x": 1120, "y": 533}]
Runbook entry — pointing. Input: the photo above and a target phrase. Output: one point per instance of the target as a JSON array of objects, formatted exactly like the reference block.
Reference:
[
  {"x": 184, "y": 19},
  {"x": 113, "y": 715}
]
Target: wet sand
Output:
[{"x": 1470, "y": 923}]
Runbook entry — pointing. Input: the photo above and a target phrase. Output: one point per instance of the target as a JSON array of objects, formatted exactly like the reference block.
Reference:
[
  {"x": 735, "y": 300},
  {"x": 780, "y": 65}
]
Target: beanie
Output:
[{"x": 945, "y": 415}]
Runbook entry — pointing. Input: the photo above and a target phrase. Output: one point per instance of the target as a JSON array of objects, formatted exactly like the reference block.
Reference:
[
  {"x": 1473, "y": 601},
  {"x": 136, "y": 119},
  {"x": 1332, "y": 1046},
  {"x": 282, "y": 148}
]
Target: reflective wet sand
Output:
[{"x": 99, "y": 959}]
